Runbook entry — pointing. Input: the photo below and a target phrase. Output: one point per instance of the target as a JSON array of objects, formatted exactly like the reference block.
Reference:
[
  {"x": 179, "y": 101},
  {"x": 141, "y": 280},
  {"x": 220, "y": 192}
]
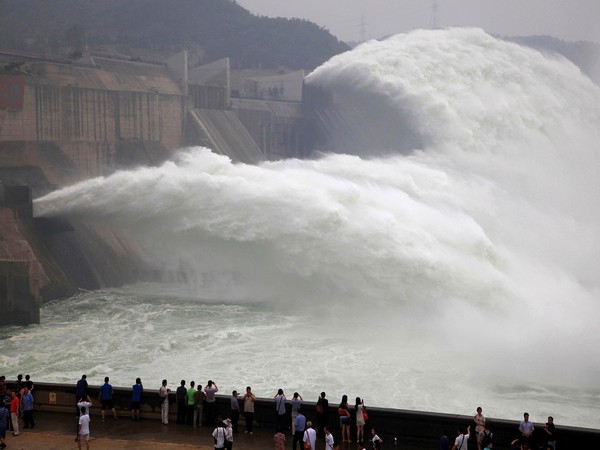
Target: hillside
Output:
[
  {"x": 219, "y": 27},
  {"x": 585, "y": 55}
]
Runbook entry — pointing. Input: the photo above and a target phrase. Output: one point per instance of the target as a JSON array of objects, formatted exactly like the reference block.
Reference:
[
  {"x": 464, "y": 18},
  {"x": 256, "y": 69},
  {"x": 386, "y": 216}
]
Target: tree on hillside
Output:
[{"x": 221, "y": 27}]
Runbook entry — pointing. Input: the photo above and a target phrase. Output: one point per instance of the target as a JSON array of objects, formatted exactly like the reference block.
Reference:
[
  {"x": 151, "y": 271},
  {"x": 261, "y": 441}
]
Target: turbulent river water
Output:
[{"x": 450, "y": 266}]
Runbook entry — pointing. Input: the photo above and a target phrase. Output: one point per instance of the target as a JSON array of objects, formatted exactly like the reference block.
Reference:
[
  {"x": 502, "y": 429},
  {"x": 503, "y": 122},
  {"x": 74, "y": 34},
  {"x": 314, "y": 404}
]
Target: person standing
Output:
[
  {"x": 296, "y": 405},
  {"x": 83, "y": 433},
  {"x": 211, "y": 402},
  {"x": 14, "y": 412},
  {"x": 280, "y": 409},
  {"x": 550, "y": 430},
  {"x": 21, "y": 390},
  {"x": 328, "y": 439},
  {"x": 181, "y": 397},
  {"x": 219, "y": 434},
  {"x": 462, "y": 439},
  {"x": 163, "y": 393},
  {"x": 19, "y": 383},
  {"x": 444, "y": 441},
  {"x": 199, "y": 398},
  {"x": 249, "y": 400},
  {"x": 80, "y": 391},
  {"x": 4, "y": 414},
  {"x": 322, "y": 410},
  {"x": 235, "y": 411},
  {"x": 360, "y": 419},
  {"x": 29, "y": 383},
  {"x": 526, "y": 430},
  {"x": 279, "y": 439},
  {"x": 106, "y": 397},
  {"x": 228, "y": 434},
  {"x": 479, "y": 420},
  {"x": 5, "y": 398},
  {"x": 136, "y": 399},
  {"x": 27, "y": 406},
  {"x": 3, "y": 387},
  {"x": 344, "y": 415},
  {"x": 191, "y": 403},
  {"x": 377, "y": 441},
  {"x": 310, "y": 435},
  {"x": 487, "y": 437},
  {"x": 300, "y": 427},
  {"x": 83, "y": 405}
]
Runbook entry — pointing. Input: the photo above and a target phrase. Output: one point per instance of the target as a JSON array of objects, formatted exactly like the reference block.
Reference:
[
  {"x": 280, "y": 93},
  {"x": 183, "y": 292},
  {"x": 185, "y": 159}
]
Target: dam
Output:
[{"x": 62, "y": 122}]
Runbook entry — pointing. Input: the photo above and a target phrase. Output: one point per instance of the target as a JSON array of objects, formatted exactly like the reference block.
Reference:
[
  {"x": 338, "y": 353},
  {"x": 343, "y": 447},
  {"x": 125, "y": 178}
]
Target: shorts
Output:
[
  {"x": 107, "y": 404},
  {"x": 84, "y": 437},
  {"x": 344, "y": 420},
  {"x": 135, "y": 405}
]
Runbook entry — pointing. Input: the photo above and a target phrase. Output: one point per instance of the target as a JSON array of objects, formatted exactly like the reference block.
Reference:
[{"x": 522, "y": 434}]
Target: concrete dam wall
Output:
[{"x": 62, "y": 123}]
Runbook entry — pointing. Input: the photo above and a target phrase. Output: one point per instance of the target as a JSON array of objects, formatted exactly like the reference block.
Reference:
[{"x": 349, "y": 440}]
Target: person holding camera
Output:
[
  {"x": 163, "y": 393},
  {"x": 550, "y": 431},
  {"x": 210, "y": 403}
]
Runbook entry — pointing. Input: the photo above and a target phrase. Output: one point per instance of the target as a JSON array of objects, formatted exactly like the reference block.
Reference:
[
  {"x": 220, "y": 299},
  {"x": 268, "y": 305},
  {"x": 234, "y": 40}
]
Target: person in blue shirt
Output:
[
  {"x": 300, "y": 427},
  {"x": 235, "y": 411},
  {"x": 136, "y": 399},
  {"x": 106, "y": 397},
  {"x": 27, "y": 404}
]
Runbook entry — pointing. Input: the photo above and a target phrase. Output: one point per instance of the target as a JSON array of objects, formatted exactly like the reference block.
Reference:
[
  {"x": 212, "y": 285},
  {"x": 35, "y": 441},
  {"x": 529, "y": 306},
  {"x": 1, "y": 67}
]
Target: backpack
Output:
[{"x": 488, "y": 438}]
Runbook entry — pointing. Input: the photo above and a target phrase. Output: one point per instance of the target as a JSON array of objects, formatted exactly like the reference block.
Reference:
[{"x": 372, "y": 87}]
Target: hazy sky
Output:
[{"x": 350, "y": 20}]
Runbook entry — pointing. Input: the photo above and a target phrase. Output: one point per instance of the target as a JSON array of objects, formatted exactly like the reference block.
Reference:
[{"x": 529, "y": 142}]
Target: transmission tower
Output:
[
  {"x": 362, "y": 33},
  {"x": 434, "y": 14}
]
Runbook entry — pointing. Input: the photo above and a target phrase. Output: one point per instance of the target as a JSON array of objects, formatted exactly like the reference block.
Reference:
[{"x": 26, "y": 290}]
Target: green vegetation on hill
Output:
[{"x": 220, "y": 27}]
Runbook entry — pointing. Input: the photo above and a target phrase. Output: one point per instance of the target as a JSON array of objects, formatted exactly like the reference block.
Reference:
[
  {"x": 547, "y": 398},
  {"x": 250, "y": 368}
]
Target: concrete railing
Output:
[{"x": 393, "y": 425}]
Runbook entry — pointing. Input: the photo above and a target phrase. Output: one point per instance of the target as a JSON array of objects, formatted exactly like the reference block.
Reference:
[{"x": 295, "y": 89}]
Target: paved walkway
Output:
[{"x": 56, "y": 431}]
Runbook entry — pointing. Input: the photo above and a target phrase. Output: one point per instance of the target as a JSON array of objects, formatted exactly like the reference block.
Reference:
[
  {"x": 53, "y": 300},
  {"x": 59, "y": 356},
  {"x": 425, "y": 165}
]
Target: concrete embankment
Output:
[{"x": 408, "y": 429}]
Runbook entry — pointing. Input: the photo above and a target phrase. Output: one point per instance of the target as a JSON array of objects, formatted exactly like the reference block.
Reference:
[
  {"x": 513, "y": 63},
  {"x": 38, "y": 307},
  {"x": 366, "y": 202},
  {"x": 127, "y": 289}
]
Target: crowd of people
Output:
[
  {"x": 16, "y": 402},
  {"x": 196, "y": 407},
  {"x": 484, "y": 436}
]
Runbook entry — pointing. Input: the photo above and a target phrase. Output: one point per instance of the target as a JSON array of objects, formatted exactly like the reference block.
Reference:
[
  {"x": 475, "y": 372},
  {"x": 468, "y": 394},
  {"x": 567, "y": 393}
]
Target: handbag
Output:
[
  {"x": 365, "y": 415},
  {"x": 319, "y": 408}
]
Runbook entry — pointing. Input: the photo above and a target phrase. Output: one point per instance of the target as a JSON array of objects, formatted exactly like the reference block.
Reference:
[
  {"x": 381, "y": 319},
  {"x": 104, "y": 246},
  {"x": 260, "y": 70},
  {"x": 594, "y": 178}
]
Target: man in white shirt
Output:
[
  {"x": 310, "y": 435},
  {"x": 84, "y": 429},
  {"x": 163, "y": 393},
  {"x": 462, "y": 439},
  {"x": 328, "y": 439},
  {"x": 526, "y": 429},
  {"x": 219, "y": 435}
]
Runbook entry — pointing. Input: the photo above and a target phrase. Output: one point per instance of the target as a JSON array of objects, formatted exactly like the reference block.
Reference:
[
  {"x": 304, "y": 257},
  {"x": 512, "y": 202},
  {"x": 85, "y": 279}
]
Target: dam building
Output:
[{"x": 63, "y": 122}]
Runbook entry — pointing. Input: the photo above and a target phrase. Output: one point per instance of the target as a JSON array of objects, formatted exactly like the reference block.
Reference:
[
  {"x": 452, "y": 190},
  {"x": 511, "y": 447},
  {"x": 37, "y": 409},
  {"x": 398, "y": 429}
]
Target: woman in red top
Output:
[
  {"x": 14, "y": 412},
  {"x": 344, "y": 414}
]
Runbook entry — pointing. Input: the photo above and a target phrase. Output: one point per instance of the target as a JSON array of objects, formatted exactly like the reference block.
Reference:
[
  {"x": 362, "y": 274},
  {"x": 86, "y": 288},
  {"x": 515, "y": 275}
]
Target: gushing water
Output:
[{"x": 449, "y": 266}]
